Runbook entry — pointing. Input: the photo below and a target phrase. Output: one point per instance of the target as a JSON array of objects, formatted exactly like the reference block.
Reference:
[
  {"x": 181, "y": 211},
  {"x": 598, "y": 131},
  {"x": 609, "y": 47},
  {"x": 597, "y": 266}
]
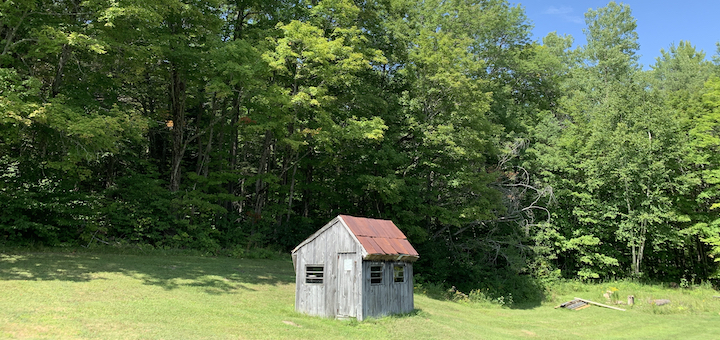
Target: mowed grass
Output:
[{"x": 110, "y": 296}]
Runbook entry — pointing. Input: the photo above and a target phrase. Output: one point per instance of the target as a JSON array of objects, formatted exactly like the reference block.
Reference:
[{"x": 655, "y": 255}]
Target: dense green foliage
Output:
[{"x": 229, "y": 125}]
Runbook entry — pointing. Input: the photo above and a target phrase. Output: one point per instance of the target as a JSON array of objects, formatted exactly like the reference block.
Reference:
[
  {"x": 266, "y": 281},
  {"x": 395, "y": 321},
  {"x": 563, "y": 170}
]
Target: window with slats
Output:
[
  {"x": 376, "y": 273},
  {"x": 314, "y": 273}
]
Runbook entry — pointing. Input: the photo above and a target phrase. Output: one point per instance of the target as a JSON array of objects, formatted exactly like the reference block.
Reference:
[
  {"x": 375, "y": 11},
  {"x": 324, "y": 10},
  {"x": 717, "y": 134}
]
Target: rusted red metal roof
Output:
[{"x": 380, "y": 238}]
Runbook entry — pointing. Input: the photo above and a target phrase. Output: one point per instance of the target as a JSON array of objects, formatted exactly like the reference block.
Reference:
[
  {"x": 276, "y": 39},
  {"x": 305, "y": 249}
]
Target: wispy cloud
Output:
[
  {"x": 562, "y": 10},
  {"x": 565, "y": 13}
]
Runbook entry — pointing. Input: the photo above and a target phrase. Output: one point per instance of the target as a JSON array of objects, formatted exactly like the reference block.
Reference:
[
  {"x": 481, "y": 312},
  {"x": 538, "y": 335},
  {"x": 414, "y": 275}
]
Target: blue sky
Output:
[{"x": 659, "y": 22}]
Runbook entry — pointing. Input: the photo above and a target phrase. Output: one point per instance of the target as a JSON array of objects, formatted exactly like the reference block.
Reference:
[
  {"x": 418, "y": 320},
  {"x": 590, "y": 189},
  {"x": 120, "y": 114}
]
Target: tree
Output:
[
  {"x": 706, "y": 143},
  {"x": 620, "y": 152},
  {"x": 58, "y": 123}
]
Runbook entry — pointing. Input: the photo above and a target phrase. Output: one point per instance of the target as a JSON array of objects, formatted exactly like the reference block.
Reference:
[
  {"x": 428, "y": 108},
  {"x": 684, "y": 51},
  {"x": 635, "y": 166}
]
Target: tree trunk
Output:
[
  {"x": 259, "y": 196},
  {"x": 639, "y": 249},
  {"x": 306, "y": 192},
  {"x": 177, "y": 110},
  {"x": 234, "y": 136},
  {"x": 292, "y": 191},
  {"x": 634, "y": 259},
  {"x": 64, "y": 54},
  {"x": 110, "y": 174},
  {"x": 203, "y": 163},
  {"x": 11, "y": 34}
]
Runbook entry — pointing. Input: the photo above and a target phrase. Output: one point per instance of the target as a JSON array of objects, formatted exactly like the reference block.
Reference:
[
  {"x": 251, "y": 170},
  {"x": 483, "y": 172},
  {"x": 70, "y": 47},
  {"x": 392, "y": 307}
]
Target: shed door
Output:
[{"x": 347, "y": 292}]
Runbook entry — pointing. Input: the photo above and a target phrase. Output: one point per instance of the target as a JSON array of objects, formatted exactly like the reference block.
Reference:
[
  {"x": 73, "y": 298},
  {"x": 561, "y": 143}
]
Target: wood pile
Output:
[{"x": 574, "y": 304}]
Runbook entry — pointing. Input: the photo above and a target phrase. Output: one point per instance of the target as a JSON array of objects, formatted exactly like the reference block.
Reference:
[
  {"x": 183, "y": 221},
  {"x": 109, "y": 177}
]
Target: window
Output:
[
  {"x": 399, "y": 274},
  {"x": 376, "y": 271},
  {"x": 314, "y": 273}
]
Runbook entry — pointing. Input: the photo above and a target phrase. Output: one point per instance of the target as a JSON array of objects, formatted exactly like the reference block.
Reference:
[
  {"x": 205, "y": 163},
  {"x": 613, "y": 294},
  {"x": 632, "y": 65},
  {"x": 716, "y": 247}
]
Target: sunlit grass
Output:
[
  {"x": 115, "y": 296},
  {"x": 695, "y": 299}
]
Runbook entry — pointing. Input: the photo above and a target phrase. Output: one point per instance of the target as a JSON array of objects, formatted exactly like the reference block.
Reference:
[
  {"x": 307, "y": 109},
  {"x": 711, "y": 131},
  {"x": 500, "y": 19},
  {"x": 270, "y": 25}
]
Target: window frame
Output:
[
  {"x": 381, "y": 272},
  {"x": 399, "y": 278},
  {"x": 311, "y": 274}
]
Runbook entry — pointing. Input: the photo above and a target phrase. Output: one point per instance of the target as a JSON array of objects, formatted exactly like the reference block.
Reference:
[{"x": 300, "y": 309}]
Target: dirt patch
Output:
[
  {"x": 291, "y": 323},
  {"x": 21, "y": 331}
]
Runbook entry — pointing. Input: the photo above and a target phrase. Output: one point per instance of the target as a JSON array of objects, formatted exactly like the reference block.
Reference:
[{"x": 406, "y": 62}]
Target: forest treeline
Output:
[{"x": 232, "y": 125}]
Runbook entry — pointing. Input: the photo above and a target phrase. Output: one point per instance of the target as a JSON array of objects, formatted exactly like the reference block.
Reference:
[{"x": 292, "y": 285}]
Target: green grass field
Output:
[{"x": 110, "y": 296}]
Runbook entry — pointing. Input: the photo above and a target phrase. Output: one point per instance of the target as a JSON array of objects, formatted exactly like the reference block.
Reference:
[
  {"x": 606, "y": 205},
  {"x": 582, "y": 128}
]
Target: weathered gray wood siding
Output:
[
  {"x": 388, "y": 297},
  {"x": 321, "y": 299}
]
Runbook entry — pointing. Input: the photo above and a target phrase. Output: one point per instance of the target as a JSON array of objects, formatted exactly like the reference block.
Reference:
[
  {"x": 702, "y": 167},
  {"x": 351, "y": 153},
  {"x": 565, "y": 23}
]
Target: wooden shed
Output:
[{"x": 354, "y": 267}]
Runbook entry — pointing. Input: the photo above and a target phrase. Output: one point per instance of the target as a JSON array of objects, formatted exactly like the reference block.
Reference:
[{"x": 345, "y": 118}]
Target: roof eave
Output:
[{"x": 391, "y": 257}]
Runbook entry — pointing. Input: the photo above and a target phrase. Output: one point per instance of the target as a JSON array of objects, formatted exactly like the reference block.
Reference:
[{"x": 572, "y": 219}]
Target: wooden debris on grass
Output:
[
  {"x": 574, "y": 305},
  {"x": 578, "y": 304},
  {"x": 599, "y": 304},
  {"x": 660, "y": 302}
]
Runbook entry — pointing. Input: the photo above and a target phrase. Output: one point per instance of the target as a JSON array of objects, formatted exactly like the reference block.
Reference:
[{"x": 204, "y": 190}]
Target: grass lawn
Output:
[{"x": 110, "y": 296}]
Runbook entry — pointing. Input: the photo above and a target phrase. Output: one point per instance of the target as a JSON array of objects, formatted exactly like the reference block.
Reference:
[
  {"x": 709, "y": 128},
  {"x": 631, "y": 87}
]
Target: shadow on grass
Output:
[
  {"x": 353, "y": 322},
  {"x": 415, "y": 312},
  {"x": 214, "y": 275}
]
